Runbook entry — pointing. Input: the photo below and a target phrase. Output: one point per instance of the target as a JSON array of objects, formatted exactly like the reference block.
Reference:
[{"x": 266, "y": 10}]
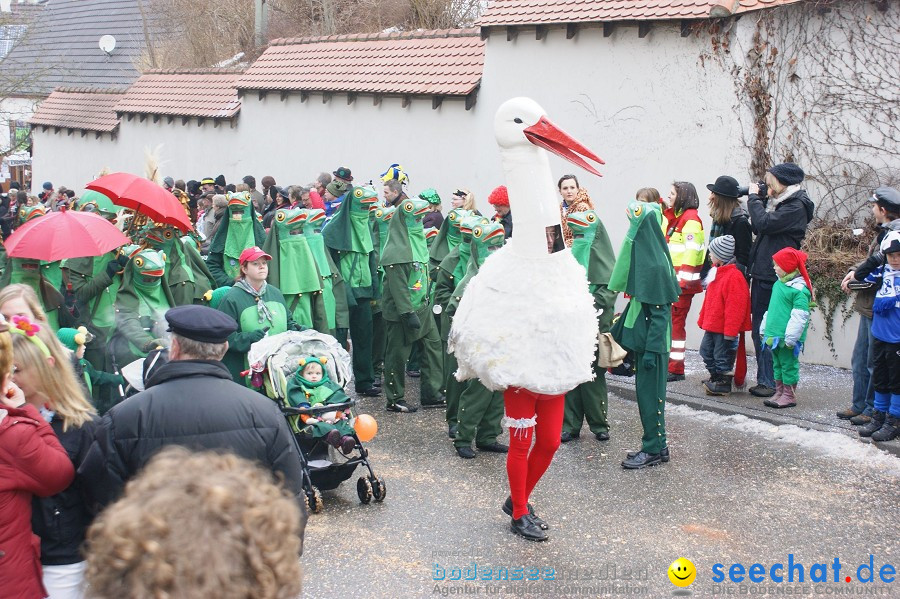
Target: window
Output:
[{"x": 9, "y": 35}]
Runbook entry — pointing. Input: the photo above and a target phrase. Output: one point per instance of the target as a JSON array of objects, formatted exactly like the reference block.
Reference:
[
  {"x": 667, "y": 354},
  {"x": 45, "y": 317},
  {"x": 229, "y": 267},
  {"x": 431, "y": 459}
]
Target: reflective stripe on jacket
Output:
[{"x": 688, "y": 249}]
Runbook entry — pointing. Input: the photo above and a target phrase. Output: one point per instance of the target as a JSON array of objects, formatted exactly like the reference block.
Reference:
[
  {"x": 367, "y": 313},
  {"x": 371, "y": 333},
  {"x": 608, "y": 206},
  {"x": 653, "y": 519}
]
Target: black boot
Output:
[
  {"x": 876, "y": 423},
  {"x": 526, "y": 527},
  {"x": 712, "y": 378},
  {"x": 889, "y": 431},
  {"x": 720, "y": 385}
]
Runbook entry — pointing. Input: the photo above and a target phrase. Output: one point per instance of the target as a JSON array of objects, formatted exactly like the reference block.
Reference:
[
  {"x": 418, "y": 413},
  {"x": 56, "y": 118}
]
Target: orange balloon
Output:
[{"x": 365, "y": 427}]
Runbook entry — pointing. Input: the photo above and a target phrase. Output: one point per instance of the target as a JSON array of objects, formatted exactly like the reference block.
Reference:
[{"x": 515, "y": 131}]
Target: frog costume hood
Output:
[
  {"x": 348, "y": 230},
  {"x": 644, "y": 267},
  {"x": 431, "y": 234},
  {"x": 239, "y": 229},
  {"x": 382, "y": 217},
  {"x": 466, "y": 225},
  {"x": 448, "y": 236},
  {"x": 591, "y": 246},
  {"x": 186, "y": 273},
  {"x": 293, "y": 267},
  {"x": 406, "y": 235}
]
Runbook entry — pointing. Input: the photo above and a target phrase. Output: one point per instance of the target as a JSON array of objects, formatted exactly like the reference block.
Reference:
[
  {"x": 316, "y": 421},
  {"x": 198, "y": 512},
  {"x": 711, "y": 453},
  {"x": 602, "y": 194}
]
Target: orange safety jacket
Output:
[{"x": 687, "y": 246}]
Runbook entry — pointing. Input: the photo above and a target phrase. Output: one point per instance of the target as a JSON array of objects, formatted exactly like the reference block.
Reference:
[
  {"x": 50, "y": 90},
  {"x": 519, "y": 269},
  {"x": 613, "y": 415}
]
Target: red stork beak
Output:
[{"x": 550, "y": 137}]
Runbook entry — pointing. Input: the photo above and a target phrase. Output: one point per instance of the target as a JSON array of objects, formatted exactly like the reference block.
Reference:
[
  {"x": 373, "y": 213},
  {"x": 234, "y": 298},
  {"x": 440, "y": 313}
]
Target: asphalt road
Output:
[{"x": 737, "y": 491}]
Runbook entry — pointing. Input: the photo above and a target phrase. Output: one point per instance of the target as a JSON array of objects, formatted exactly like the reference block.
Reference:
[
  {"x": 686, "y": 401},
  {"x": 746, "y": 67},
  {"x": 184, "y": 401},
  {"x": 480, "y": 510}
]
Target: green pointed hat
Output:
[{"x": 644, "y": 269}]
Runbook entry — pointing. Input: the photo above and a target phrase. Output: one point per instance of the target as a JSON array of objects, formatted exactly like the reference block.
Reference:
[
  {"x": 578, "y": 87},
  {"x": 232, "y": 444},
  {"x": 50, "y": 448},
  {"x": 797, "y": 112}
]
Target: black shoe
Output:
[
  {"x": 507, "y": 509},
  {"x": 566, "y": 436},
  {"x": 414, "y": 373},
  {"x": 601, "y": 436},
  {"x": 438, "y": 402},
  {"x": 762, "y": 391},
  {"x": 720, "y": 385},
  {"x": 848, "y": 414},
  {"x": 401, "y": 407},
  {"x": 860, "y": 419},
  {"x": 642, "y": 460},
  {"x": 377, "y": 383},
  {"x": 451, "y": 431},
  {"x": 465, "y": 452},
  {"x": 370, "y": 392},
  {"x": 663, "y": 453},
  {"x": 674, "y": 377},
  {"x": 527, "y": 528},
  {"x": 494, "y": 448},
  {"x": 889, "y": 431},
  {"x": 878, "y": 418}
]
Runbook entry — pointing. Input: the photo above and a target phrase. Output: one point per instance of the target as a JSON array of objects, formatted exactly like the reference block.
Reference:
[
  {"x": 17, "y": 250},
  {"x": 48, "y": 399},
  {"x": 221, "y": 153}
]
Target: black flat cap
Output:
[{"x": 200, "y": 323}]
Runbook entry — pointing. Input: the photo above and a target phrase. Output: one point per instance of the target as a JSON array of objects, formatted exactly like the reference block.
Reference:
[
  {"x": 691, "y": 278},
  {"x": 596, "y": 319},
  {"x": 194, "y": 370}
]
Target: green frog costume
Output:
[
  {"x": 407, "y": 307},
  {"x": 257, "y": 313},
  {"x": 479, "y": 409},
  {"x": 293, "y": 269},
  {"x": 592, "y": 249},
  {"x": 141, "y": 304},
  {"x": 380, "y": 220},
  {"x": 302, "y": 393},
  {"x": 45, "y": 278},
  {"x": 448, "y": 237},
  {"x": 644, "y": 271},
  {"x": 186, "y": 273},
  {"x": 333, "y": 292},
  {"x": 92, "y": 377},
  {"x": 349, "y": 239},
  {"x": 239, "y": 230}
]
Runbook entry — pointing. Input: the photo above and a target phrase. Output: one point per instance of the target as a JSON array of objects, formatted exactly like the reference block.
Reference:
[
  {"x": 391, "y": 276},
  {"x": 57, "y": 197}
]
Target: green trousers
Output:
[
  {"x": 786, "y": 366},
  {"x": 588, "y": 401},
  {"x": 480, "y": 412},
  {"x": 452, "y": 388},
  {"x": 378, "y": 344},
  {"x": 361, "y": 335},
  {"x": 396, "y": 354},
  {"x": 650, "y": 385},
  {"x": 414, "y": 362}
]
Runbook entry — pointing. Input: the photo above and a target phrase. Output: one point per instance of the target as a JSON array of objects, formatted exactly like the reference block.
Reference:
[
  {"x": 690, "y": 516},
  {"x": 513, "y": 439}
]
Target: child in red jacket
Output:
[{"x": 724, "y": 316}]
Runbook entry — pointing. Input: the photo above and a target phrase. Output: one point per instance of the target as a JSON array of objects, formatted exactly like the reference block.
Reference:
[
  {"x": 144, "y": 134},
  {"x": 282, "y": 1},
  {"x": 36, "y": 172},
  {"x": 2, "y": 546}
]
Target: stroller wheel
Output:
[
  {"x": 364, "y": 489},
  {"x": 314, "y": 501},
  {"x": 379, "y": 490}
]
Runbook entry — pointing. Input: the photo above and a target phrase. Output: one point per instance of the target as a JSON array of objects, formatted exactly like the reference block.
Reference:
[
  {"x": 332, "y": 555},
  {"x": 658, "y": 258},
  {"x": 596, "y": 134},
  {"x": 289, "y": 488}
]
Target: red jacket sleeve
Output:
[
  {"x": 737, "y": 310},
  {"x": 42, "y": 465}
]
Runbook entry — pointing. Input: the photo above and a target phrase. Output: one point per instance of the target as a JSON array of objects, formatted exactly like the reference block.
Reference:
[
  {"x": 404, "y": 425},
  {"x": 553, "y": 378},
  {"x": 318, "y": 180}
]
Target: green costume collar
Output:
[
  {"x": 406, "y": 235},
  {"x": 348, "y": 230},
  {"x": 293, "y": 266},
  {"x": 644, "y": 267}
]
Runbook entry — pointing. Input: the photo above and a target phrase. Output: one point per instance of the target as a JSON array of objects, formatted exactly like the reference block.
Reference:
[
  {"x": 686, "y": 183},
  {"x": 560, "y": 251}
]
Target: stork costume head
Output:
[{"x": 549, "y": 314}]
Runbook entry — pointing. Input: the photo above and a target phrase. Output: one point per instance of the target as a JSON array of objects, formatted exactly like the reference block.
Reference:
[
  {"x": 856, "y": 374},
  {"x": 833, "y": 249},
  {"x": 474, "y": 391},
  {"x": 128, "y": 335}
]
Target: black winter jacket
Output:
[
  {"x": 739, "y": 228},
  {"x": 61, "y": 520},
  {"x": 783, "y": 227},
  {"x": 196, "y": 404}
]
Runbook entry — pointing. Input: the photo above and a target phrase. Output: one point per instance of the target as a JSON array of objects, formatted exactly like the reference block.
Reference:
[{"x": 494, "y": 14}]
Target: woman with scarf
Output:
[
  {"x": 574, "y": 199},
  {"x": 257, "y": 307}
]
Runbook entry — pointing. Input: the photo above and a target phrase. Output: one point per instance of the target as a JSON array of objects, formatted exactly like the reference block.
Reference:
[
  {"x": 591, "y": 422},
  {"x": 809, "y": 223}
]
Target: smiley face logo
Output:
[{"x": 682, "y": 572}]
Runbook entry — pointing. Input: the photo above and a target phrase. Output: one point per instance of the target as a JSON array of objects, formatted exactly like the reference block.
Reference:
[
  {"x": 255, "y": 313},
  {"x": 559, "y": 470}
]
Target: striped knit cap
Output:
[{"x": 723, "y": 248}]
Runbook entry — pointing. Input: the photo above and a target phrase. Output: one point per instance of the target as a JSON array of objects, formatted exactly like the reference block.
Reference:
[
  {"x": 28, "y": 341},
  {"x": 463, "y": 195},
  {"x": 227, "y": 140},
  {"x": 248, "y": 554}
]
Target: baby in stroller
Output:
[{"x": 310, "y": 387}]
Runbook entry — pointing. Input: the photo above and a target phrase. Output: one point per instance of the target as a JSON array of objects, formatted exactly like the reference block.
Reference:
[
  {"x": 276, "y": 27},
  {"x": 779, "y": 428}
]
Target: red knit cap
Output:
[
  {"x": 499, "y": 197},
  {"x": 789, "y": 260}
]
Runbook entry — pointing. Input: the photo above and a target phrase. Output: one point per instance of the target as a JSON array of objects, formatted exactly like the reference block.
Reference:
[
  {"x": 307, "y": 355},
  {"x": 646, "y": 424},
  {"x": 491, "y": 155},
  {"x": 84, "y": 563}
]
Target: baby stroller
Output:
[{"x": 273, "y": 361}]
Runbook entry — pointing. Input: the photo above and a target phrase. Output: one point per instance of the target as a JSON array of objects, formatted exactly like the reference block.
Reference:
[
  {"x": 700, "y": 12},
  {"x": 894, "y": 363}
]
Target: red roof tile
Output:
[
  {"x": 183, "y": 93},
  {"x": 538, "y": 12},
  {"x": 437, "y": 62},
  {"x": 78, "y": 108}
]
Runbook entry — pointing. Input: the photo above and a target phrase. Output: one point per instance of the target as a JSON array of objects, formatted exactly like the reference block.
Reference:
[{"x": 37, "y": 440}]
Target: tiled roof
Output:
[
  {"x": 184, "y": 93},
  {"x": 73, "y": 108},
  {"x": 435, "y": 62},
  {"x": 537, "y": 12},
  {"x": 61, "y": 47}
]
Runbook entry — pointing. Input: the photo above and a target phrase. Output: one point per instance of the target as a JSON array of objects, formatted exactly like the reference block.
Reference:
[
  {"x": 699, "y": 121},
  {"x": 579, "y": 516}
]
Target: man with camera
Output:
[{"x": 780, "y": 211}]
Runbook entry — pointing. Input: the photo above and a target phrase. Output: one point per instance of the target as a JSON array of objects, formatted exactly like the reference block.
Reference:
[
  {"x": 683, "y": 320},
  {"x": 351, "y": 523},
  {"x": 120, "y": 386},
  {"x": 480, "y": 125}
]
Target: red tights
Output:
[{"x": 525, "y": 469}]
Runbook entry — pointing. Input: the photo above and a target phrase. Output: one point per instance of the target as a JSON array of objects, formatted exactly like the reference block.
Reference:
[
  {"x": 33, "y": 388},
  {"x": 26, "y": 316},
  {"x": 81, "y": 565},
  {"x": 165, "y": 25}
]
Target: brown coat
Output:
[{"x": 582, "y": 202}]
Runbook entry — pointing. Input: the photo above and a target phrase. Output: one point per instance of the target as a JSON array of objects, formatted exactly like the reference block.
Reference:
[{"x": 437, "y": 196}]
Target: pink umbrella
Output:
[
  {"x": 143, "y": 196},
  {"x": 64, "y": 234}
]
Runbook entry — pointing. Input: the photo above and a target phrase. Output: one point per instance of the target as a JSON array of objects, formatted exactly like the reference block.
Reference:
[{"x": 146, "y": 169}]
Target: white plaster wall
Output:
[{"x": 651, "y": 108}]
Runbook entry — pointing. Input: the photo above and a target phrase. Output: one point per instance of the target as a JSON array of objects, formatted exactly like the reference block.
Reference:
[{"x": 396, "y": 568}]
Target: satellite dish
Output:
[{"x": 108, "y": 43}]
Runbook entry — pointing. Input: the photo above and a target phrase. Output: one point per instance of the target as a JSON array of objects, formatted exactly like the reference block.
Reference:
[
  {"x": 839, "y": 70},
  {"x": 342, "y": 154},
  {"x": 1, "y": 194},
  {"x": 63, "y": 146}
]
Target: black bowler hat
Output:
[
  {"x": 200, "y": 323},
  {"x": 343, "y": 173},
  {"x": 724, "y": 186}
]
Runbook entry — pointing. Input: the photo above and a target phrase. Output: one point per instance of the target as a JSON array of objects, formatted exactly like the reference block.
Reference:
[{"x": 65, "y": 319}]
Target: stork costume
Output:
[
  {"x": 644, "y": 271},
  {"x": 535, "y": 290}
]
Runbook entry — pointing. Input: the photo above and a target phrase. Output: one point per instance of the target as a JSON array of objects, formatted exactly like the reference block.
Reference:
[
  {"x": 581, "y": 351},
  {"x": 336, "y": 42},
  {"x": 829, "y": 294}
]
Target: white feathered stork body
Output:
[{"x": 527, "y": 319}]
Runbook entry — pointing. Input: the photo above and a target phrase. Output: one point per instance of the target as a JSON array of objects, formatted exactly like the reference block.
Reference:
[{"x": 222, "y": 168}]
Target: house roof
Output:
[
  {"x": 183, "y": 93},
  {"x": 61, "y": 47},
  {"x": 545, "y": 12},
  {"x": 79, "y": 108},
  {"x": 431, "y": 62}
]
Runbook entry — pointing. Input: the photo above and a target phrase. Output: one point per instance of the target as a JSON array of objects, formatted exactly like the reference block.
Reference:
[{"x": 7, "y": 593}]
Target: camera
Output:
[{"x": 763, "y": 189}]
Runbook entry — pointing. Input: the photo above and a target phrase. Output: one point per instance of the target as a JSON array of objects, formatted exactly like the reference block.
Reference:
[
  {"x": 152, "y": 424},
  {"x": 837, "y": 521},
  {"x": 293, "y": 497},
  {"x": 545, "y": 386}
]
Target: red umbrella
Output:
[
  {"x": 143, "y": 196},
  {"x": 65, "y": 234}
]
